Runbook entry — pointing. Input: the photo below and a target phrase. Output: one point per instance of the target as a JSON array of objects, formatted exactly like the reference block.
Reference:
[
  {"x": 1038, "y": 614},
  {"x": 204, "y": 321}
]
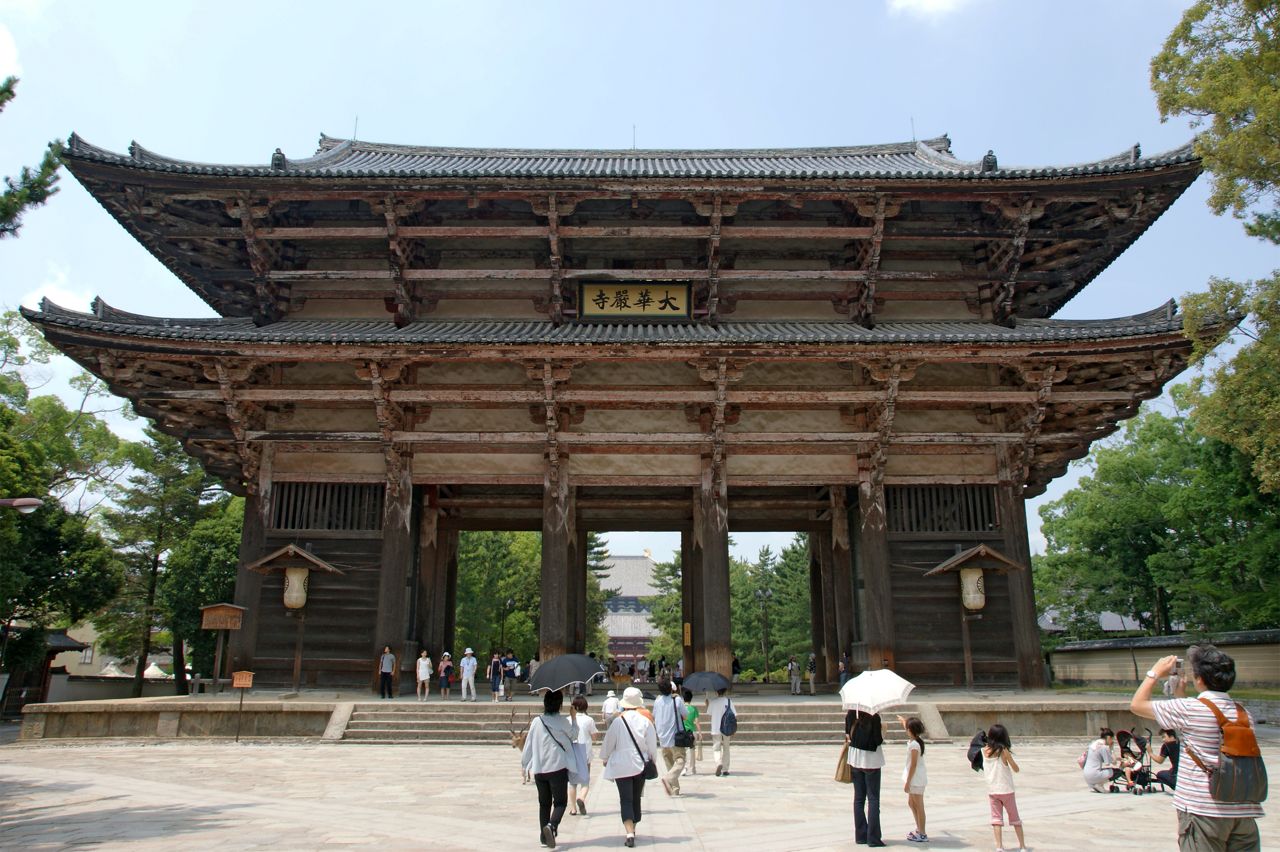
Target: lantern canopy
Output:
[
  {"x": 971, "y": 565},
  {"x": 296, "y": 564}
]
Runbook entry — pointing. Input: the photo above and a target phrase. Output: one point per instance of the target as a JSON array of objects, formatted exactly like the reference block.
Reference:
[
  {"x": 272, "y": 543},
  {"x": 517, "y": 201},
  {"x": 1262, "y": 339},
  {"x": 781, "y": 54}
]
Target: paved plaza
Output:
[{"x": 313, "y": 795}]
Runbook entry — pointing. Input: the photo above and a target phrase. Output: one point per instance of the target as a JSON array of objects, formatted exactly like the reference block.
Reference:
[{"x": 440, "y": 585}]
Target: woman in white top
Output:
[
  {"x": 866, "y": 756},
  {"x": 630, "y": 741},
  {"x": 423, "y": 675},
  {"x": 1099, "y": 761},
  {"x": 915, "y": 776},
  {"x": 546, "y": 755},
  {"x": 587, "y": 730}
]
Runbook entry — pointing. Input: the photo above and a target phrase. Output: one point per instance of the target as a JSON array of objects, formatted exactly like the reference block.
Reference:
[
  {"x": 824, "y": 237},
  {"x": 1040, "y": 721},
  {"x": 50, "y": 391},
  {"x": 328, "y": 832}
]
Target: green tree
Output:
[
  {"x": 201, "y": 570},
  {"x": 1221, "y": 67},
  {"x": 1170, "y": 529},
  {"x": 30, "y": 188},
  {"x": 152, "y": 514}
]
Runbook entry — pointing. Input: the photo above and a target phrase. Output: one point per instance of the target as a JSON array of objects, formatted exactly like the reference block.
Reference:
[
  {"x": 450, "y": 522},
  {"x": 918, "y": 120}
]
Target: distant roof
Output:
[
  {"x": 632, "y": 576},
  {"x": 924, "y": 159},
  {"x": 108, "y": 320}
]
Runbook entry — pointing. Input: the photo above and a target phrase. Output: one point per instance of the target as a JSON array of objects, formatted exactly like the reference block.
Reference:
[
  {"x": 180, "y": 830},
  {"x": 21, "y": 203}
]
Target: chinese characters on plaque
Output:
[{"x": 635, "y": 299}]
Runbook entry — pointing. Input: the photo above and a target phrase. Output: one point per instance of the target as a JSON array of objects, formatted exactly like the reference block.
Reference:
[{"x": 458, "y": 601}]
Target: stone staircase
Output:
[{"x": 455, "y": 723}]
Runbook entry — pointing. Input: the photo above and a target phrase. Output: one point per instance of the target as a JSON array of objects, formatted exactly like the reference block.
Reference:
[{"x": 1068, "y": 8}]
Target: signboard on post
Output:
[
  {"x": 242, "y": 680},
  {"x": 644, "y": 300},
  {"x": 221, "y": 616}
]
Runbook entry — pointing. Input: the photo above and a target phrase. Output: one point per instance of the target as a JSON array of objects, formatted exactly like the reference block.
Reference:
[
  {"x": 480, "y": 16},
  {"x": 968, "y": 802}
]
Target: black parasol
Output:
[
  {"x": 564, "y": 671},
  {"x": 706, "y": 682}
]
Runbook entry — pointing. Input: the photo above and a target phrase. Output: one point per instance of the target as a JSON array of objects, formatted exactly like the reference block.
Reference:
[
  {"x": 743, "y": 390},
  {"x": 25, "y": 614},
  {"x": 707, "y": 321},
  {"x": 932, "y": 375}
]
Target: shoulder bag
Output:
[
  {"x": 844, "y": 772},
  {"x": 650, "y": 768},
  {"x": 1240, "y": 776}
]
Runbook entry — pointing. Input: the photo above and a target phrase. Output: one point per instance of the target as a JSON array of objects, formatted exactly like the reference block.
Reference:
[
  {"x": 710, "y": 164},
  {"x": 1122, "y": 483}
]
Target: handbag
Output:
[
  {"x": 844, "y": 772},
  {"x": 650, "y": 768}
]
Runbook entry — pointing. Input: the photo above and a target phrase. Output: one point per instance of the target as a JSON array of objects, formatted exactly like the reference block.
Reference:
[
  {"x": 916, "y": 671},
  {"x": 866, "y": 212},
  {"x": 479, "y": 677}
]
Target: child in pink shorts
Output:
[{"x": 998, "y": 767}]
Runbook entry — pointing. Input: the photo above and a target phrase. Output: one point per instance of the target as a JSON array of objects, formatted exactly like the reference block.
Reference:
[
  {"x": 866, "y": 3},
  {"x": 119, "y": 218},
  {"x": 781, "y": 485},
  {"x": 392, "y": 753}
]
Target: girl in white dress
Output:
[{"x": 915, "y": 776}]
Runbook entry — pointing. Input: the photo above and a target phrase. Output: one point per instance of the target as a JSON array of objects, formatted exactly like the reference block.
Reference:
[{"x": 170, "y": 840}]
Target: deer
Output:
[{"x": 518, "y": 738}]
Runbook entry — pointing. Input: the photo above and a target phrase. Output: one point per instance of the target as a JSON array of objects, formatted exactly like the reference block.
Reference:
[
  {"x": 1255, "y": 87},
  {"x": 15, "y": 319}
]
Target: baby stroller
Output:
[{"x": 1135, "y": 748}]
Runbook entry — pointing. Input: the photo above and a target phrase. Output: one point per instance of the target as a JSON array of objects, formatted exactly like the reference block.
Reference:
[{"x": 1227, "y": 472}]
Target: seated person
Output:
[
  {"x": 1129, "y": 765},
  {"x": 1099, "y": 765},
  {"x": 1171, "y": 750}
]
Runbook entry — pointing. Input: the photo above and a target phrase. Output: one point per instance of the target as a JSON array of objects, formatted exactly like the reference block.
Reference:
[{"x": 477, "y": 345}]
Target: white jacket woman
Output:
[{"x": 629, "y": 742}]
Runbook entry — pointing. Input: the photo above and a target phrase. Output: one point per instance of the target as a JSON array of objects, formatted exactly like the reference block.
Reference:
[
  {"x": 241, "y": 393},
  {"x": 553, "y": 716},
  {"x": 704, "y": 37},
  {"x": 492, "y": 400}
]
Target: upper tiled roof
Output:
[
  {"x": 108, "y": 320},
  {"x": 338, "y": 158},
  {"x": 632, "y": 576}
]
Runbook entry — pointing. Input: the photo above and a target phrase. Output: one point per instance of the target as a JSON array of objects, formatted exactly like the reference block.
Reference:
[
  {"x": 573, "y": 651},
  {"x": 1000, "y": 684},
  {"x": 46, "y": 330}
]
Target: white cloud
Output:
[
  {"x": 8, "y": 54},
  {"x": 930, "y": 9},
  {"x": 56, "y": 288}
]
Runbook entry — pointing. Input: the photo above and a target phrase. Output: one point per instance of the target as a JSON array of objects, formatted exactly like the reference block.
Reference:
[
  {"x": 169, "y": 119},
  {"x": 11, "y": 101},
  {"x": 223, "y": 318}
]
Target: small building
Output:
[{"x": 627, "y": 617}]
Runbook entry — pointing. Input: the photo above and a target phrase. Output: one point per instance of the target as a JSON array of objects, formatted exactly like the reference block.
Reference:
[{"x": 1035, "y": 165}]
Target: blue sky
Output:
[{"x": 1040, "y": 83}]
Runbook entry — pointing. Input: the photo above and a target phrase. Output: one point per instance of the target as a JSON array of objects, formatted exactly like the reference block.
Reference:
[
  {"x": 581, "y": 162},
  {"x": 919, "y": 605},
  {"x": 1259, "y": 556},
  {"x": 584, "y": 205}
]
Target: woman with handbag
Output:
[
  {"x": 865, "y": 736},
  {"x": 548, "y": 752},
  {"x": 629, "y": 751}
]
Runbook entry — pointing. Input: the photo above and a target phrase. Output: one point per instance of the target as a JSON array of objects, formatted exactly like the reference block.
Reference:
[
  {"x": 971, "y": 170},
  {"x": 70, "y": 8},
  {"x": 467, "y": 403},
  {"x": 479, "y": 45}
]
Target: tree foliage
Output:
[
  {"x": 32, "y": 187},
  {"x": 1221, "y": 66},
  {"x": 1170, "y": 529}
]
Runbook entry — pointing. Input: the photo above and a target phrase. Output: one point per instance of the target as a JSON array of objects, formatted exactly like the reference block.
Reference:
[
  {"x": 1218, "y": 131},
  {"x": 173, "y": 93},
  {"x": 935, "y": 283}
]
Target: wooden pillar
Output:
[
  {"x": 555, "y": 630},
  {"x": 821, "y": 543},
  {"x": 711, "y": 529},
  {"x": 691, "y": 602},
  {"x": 1012, "y": 511},
  {"x": 248, "y": 593},
  {"x": 578, "y": 591},
  {"x": 842, "y": 572},
  {"x": 827, "y": 668},
  {"x": 873, "y": 562},
  {"x": 450, "y": 574},
  {"x": 439, "y": 550},
  {"x": 398, "y": 548}
]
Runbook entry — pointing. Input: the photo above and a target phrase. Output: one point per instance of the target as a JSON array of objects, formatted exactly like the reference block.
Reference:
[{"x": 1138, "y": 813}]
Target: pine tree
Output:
[{"x": 32, "y": 187}]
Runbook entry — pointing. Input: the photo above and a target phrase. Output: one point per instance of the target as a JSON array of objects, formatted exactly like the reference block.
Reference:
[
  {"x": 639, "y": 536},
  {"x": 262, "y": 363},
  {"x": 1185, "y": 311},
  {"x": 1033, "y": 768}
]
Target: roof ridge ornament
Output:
[
  {"x": 278, "y": 161},
  {"x": 989, "y": 162},
  {"x": 1136, "y": 154}
]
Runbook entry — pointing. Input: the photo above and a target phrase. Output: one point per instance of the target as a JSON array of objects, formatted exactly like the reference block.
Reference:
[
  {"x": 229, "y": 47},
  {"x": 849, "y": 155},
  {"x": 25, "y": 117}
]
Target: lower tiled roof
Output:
[{"x": 108, "y": 321}]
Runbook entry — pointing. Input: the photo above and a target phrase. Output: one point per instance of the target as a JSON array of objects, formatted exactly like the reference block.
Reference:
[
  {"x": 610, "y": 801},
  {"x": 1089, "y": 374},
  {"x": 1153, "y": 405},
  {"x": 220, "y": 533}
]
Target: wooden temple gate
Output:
[{"x": 412, "y": 342}]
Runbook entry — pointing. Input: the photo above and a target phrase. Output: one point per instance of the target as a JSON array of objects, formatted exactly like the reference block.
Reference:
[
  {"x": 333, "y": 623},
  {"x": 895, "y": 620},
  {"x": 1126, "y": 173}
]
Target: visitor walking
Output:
[
  {"x": 629, "y": 743},
  {"x": 736, "y": 668},
  {"x": 866, "y": 758},
  {"x": 812, "y": 668},
  {"x": 610, "y": 708},
  {"x": 468, "y": 665},
  {"x": 691, "y": 725},
  {"x": 720, "y": 741},
  {"x": 546, "y": 757},
  {"x": 998, "y": 767},
  {"x": 1204, "y": 822},
  {"x": 793, "y": 674},
  {"x": 915, "y": 776},
  {"x": 495, "y": 676},
  {"x": 445, "y": 672},
  {"x": 509, "y": 667},
  {"x": 586, "y": 736},
  {"x": 422, "y": 673},
  {"x": 668, "y": 718},
  {"x": 386, "y": 667}
]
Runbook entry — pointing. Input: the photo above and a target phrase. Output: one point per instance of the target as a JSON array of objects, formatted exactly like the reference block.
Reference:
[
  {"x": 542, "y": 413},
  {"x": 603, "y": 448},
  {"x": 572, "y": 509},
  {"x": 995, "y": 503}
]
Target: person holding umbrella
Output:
[
  {"x": 629, "y": 745},
  {"x": 865, "y": 736},
  {"x": 546, "y": 756}
]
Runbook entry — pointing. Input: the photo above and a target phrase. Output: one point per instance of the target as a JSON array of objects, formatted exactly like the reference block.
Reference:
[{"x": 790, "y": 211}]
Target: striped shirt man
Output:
[{"x": 1199, "y": 733}]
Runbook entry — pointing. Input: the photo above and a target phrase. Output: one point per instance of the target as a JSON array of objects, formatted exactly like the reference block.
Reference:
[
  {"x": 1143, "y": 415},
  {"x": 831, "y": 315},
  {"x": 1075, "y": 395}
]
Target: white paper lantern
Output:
[
  {"x": 295, "y": 587},
  {"x": 972, "y": 589}
]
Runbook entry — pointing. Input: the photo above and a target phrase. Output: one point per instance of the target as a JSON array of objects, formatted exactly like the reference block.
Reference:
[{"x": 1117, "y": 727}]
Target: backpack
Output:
[
  {"x": 1240, "y": 775},
  {"x": 729, "y": 721}
]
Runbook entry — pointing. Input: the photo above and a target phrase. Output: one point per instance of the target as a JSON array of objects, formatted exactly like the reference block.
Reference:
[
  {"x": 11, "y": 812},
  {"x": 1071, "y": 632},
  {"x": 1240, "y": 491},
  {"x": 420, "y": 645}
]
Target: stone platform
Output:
[{"x": 355, "y": 717}]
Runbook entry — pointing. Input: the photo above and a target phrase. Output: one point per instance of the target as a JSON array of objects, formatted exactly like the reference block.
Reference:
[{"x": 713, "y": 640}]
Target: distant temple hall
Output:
[
  {"x": 627, "y": 617},
  {"x": 858, "y": 343}
]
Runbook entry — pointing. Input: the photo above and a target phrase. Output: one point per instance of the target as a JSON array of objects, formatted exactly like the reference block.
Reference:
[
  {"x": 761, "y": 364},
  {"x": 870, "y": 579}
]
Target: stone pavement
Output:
[{"x": 290, "y": 795}]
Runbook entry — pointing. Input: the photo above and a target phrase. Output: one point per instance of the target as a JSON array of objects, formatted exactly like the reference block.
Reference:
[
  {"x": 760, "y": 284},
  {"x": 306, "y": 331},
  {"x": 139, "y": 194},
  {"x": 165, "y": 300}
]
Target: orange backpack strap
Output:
[{"x": 1218, "y": 714}]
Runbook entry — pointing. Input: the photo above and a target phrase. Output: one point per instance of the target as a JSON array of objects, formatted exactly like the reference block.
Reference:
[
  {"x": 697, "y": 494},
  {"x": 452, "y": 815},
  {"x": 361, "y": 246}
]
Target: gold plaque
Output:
[
  {"x": 242, "y": 680},
  {"x": 633, "y": 299}
]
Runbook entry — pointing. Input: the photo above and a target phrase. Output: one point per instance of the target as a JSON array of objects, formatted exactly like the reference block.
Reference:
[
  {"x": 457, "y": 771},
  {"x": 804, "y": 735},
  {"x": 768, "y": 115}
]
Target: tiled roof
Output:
[
  {"x": 108, "y": 320},
  {"x": 927, "y": 159},
  {"x": 631, "y": 575}
]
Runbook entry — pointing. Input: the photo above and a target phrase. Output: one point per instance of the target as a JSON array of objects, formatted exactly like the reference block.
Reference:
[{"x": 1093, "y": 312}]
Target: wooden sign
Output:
[
  {"x": 221, "y": 616},
  {"x": 634, "y": 300},
  {"x": 242, "y": 680}
]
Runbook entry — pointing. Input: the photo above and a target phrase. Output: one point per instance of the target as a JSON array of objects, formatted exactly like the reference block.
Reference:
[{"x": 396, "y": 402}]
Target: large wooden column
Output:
[
  {"x": 398, "y": 552},
  {"x": 873, "y": 563},
  {"x": 842, "y": 573},
  {"x": 248, "y": 593},
  {"x": 555, "y": 627},
  {"x": 691, "y": 602},
  {"x": 827, "y": 667},
  {"x": 438, "y": 560},
  {"x": 1022, "y": 597},
  {"x": 821, "y": 544},
  {"x": 711, "y": 532},
  {"x": 578, "y": 591}
]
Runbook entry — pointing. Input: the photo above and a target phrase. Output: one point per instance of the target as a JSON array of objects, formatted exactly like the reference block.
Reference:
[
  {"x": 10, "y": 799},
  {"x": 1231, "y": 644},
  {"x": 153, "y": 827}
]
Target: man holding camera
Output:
[{"x": 1205, "y": 823}]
